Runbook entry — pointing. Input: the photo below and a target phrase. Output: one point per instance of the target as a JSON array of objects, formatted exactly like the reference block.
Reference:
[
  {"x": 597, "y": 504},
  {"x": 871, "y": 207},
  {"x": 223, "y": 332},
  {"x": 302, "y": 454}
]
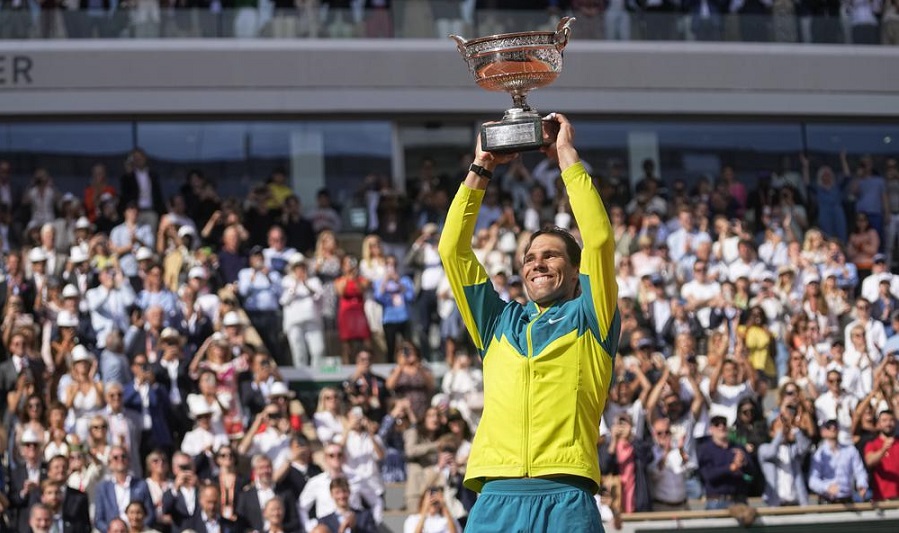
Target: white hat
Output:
[
  {"x": 219, "y": 337},
  {"x": 811, "y": 279},
  {"x": 66, "y": 319},
  {"x": 767, "y": 276},
  {"x": 278, "y": 388},
  {"x": 186, "y": 230},
  {"x": 68, "y": 197},
  {"x": 196, "y": 272},
  {"x": 232, "y": 319},
  {"x": 37, "y": 254},
  {"x": 143, "y": 253},
  {"x": 83, "y": 223},
  {"x": 80, "y": 353},
  {"x": 168, "y": 333},
  {"x": 296, "y": 259},
  {"x": 30, "y": 436},
  {"x": 70, "y": 291},
  {"x": 77, "y": 255},
  {"x": 198, "y": 406}
]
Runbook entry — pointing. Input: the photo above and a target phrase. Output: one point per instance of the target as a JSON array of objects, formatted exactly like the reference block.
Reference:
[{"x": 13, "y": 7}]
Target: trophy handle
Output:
[
  {"x": 563, "y": 32},
  {"x": 460, "y": 44}
]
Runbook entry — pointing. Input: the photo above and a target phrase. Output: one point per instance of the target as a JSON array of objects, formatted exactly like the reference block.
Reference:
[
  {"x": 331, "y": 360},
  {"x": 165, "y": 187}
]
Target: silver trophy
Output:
[{"x": 516, "y": 63}]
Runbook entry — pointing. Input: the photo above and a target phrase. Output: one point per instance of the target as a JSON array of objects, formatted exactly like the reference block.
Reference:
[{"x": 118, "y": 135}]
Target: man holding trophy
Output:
[{"x": 547, "y": 365}]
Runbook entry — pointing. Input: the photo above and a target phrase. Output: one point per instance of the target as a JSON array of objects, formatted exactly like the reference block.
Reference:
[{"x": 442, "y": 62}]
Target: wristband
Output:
[{"x": 480, "y": 171}]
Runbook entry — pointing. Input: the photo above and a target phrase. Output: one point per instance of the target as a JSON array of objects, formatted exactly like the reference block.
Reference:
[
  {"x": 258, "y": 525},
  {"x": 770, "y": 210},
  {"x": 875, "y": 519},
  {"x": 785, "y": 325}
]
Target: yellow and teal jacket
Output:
[{"x": 546, "y": 371}]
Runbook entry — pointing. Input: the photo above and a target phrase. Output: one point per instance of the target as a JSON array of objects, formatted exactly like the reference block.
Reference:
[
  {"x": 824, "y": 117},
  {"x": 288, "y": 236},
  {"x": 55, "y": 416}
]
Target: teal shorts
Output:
[{"x": 535, "y": 506}]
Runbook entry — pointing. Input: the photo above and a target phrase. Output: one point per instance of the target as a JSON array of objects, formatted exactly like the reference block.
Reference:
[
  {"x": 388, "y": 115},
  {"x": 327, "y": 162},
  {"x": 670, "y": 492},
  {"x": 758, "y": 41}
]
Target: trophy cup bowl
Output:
[{"x": 515, "y": 63}]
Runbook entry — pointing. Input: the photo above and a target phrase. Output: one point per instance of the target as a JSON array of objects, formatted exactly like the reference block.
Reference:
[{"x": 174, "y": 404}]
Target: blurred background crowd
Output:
[
  {"x": 148, "y": 340},
  {"x": 807, "y": 21}
]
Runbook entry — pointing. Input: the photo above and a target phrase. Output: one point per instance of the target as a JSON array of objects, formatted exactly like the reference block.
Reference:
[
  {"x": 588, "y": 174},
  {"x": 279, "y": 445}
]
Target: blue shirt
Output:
[
  {"x": 395, "y": 297},
  {"x": 843, "y": 466},
  {"x": 870, "y": 195},
  {"x": 260, "y": 291}
]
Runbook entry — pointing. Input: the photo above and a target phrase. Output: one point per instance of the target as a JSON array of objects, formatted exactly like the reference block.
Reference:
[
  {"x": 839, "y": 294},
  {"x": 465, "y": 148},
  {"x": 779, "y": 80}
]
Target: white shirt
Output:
[
  {"x": 144, "y": 391},
  {"x": 829, "y": 408},
  {"x": 433, "y": 524},
  {"x": 198, "y": 440},
  {"x": 190, "y": 498},
  {"x": 145, "y": 189},
  {"x": 726, "y": 399},
  {"x": 264, "y": 494},
  {"x": 271, "y": 443},
  {"x": 786, "y": 484},
  {"x": 212, "y": 524},
  {"x": 122, "y": 496},
  {"x": 362, "y": 460},
  {"x": 874, "y": 335},
  {"x": 668, "y": 484},
  {"x": 171, "y": 367},
  {"x": 701, "y": 292}
]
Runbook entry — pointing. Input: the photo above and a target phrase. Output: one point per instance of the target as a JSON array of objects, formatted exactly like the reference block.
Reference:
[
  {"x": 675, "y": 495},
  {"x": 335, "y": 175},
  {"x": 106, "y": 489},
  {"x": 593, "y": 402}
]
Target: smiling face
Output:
[{"x": 549, "y": 275}]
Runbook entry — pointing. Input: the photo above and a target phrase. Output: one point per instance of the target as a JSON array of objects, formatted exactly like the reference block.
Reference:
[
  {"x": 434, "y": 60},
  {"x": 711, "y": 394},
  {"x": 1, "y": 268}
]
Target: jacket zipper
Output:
[{"x": 527, "y": 399}]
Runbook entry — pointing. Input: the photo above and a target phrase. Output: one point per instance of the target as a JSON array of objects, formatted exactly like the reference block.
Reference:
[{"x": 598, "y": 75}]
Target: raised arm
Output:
[
  {"x": 475, "y": 296},
  {"x": 597, "y": 269}
]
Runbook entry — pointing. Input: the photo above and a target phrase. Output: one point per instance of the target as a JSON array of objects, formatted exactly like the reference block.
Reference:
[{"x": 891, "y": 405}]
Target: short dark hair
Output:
[
  {"x": 572, "y": 248},
  {"x": 340, "y": 483}
]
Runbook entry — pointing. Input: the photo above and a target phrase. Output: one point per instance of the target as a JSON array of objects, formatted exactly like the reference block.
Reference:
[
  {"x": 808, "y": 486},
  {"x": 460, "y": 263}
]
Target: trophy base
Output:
[{"x": 519, "y": 131}]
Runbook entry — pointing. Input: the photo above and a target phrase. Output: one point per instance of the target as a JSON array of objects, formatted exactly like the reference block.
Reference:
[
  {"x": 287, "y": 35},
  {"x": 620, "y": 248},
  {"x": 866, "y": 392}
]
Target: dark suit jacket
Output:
[
  {"x": 159, "y": 411},
  {"x": 130, "y": 192},
  {"x": 364, "y": 522},
  {"x": 106, "y": 507},
  {"x": 19, "y": 504},
  {"x": 252, "y": 398},
  {"x": 196, "y": 523},
  {"x": 174, "y": 504},
  {"x": 75, "y": 510},
  {"x": 250, "y": 514},
  {"x": 295, "y": 481}
]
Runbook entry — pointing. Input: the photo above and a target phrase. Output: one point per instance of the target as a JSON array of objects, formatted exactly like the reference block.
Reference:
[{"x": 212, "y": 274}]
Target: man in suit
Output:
[
  {"x": 142, "y": 187},
  {"x": 114, "y": 494},
  {"x": 170, "y": 373},
  {"x": 25, "y": 477},
  {"x": 73, "y": 507},
  {"x": 209, "y": 519},
  {"x": 255, "y": 496},
  {"x": 150, "y": 401},
  {"x": 15, "y": 282},
  {"x": 124, "y": 425},
  {"x": 182, "y": 501},
  {"x": 345, "y": 517},
  {"x": 293, "y": 476},
  {"x": 52, "y": 496},
  {"x": 18, "y": 363}
]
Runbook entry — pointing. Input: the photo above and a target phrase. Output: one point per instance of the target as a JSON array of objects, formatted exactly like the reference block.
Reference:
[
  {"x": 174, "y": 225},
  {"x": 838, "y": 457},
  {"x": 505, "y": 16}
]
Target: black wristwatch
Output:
[{"x": 481, "y": 171}]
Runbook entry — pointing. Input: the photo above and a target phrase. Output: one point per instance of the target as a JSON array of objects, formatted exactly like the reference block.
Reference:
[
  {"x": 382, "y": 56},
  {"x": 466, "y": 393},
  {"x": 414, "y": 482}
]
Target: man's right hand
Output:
[{"x": 832, "y": 490}]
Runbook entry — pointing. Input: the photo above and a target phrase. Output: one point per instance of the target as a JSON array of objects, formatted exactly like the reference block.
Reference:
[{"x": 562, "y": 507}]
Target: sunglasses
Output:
[
  {"x": 338, "y": 454},
  {"x": 228, "y": 455},
  {"x": 102, "y": 426},
  {"x": 117, "y": 457},
  {"x": 836, "y": 380},
  {"x": 663, "y": 433},
  {"x": 746, "y": 412},
  {"x": 114, "y": 394},
  {"x": 790, "y": 392}
]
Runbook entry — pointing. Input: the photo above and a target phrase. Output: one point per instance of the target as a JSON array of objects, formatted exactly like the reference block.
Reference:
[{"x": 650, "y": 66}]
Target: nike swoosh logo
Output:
[{"x": 555, "y": 320}]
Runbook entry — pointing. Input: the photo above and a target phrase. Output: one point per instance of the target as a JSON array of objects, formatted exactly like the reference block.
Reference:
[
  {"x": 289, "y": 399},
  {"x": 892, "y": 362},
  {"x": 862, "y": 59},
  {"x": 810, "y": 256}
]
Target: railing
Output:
[{"x": 146, "y": 19}]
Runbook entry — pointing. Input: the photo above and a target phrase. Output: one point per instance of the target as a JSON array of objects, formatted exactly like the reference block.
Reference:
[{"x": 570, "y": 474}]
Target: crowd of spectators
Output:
[
  {"x": 829, "y": 21},
  {"x": 143, "y": 338}
]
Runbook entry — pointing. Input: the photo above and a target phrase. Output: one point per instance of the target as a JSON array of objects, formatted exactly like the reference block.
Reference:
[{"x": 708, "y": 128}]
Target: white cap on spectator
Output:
[
  {"x": 186, "y": 230},
  {"x": 70, "y": 291},
  {"x": 143, "y": 253},
  {"x": 885, "y": 277},
  {"x": 440, "y": 399},
  {"x": 80, "y": 353},
  {"x": 197, "y": 272},
  {"x": 219, "y": 337},
  {"x": 278, "y": 388},
  {"x": 67, "y": 197},
  {"x": 430, "y": 229},
  {"x": 77, "y": 255},
  {"x": 37, "y": 255},
  {"x": 83, "y": 223},
  {"x": 296, "y": 259},
  {"x": 66, "y": 319},
  {"x": 30, "y": 436},
  {"x": 767, "y": 276},
  {"x": 811, "y": 279},
  {"x": 170, "y": 333},
  {"x": 232, "y": 319},
  {"x": 105, "y": 197},
  {"x": 831, "y": 272}
]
